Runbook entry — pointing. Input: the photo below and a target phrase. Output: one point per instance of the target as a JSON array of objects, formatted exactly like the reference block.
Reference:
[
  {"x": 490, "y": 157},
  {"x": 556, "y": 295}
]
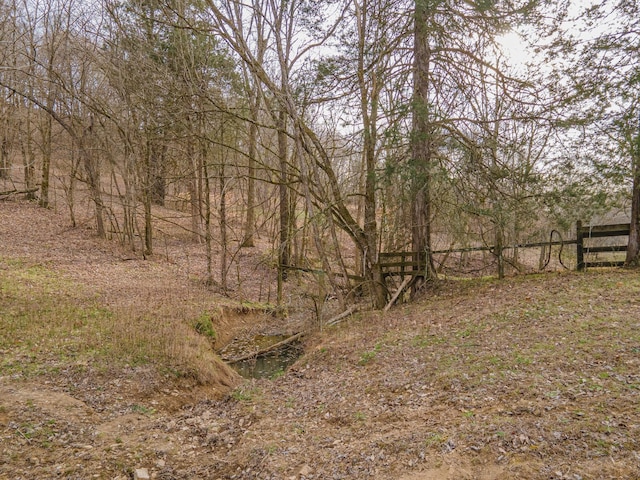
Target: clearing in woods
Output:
[{"x": 102, "y": 373}]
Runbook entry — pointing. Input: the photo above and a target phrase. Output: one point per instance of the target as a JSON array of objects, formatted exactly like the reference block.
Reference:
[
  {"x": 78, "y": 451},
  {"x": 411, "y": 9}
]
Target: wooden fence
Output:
[
  {"x": 599, "y": 231},
  {"x": 406, "y": 263},
  {"x": 400, "y": 264},
  {"x": 403, "y": 264}
]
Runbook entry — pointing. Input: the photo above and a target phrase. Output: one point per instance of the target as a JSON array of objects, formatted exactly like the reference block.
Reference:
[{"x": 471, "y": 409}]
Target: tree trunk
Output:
[
  {"x": 369, "y": 99},
  {"x": 223, "y": 216},
  {"x": 633, "y": 249},
  {"x": 92, "y": 169},
  {"x": 283, "y": 247},
  {"x": 4, "y": 140},
  {"x": 206, "y": 194},
  {"x": 5, "y": 163},
  {"x": 71, "y": 189},
  {"x": 28, "y": 155},
  {"x": 148, "y": 225},
  {"x": 249, "y": 226},
  {"x": 130, "y": 197},
  {"x": 499, "y": 250},
  {"x": 147, "y": 199},
  {"x": 543, "y": 257},
  {"x": 421, "y": 149},
  {"x": 46, "y": 161},
  {"x": 195, "y": 196},
  {"x": 157, "y": 172}
]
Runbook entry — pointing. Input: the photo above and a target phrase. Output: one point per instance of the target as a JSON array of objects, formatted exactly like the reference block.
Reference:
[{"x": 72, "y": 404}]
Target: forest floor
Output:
[{"x": 534, "y": 377}]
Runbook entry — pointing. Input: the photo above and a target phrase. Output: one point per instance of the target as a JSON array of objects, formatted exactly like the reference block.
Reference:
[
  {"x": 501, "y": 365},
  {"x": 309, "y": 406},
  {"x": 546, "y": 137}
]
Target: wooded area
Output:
[{"x": 325, "y": 131}]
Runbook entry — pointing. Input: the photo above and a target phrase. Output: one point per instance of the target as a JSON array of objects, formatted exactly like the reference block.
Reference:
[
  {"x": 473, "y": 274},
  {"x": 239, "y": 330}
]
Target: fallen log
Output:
[
  {"x": 339, "y": 318},
  {"x": 18, "y": 192},
  {"x": 268, "y": 349},
  {"x": 397, "y": 294}
]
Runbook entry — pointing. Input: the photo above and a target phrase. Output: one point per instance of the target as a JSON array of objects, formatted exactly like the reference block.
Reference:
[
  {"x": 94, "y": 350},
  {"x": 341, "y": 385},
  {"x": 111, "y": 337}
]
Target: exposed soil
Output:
[{"x": 532, "y": 377}]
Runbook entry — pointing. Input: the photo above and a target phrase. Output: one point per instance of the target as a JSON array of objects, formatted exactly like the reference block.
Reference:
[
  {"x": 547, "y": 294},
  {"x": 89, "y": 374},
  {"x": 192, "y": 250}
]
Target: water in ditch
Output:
[{"x": 270, "y": 365}]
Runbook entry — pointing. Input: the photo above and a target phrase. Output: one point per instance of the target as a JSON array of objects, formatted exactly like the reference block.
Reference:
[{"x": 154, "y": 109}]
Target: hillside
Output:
[{"x": 102, "y": 373}]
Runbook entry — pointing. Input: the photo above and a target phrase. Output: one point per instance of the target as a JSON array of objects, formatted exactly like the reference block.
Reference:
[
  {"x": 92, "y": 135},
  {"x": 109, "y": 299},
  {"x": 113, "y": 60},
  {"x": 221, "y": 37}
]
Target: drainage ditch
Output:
[{"x": 263, "y": 356}]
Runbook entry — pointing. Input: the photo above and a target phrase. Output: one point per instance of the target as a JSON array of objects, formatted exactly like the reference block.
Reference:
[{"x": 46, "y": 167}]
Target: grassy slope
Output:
[{"x": 50, "y": 323}]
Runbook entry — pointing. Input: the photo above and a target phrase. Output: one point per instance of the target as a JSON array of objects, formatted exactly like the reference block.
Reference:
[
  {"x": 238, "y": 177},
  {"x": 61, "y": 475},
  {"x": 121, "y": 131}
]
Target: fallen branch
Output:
[
  {"x": 340, "y": 317},
  {"x": 18, "y": 192},
  {"x": 268, "y": 349},
  {"x": 398, "y": 293},
  {"x": 23, "y": 435}
]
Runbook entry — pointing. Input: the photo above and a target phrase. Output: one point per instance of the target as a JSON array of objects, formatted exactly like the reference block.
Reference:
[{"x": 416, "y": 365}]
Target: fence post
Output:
[{"x": 579, "y": 246}]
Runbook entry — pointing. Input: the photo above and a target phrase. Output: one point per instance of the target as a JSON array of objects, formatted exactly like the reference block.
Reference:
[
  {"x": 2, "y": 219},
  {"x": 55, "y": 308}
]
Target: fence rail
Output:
[
  {"x": 406, "y": 263},
  {"x": 413, "y": 263},
  {"x": 389, "y": 263},
  {"x": 599, "y": 231},
  {"x": 395, "y": 263}
]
